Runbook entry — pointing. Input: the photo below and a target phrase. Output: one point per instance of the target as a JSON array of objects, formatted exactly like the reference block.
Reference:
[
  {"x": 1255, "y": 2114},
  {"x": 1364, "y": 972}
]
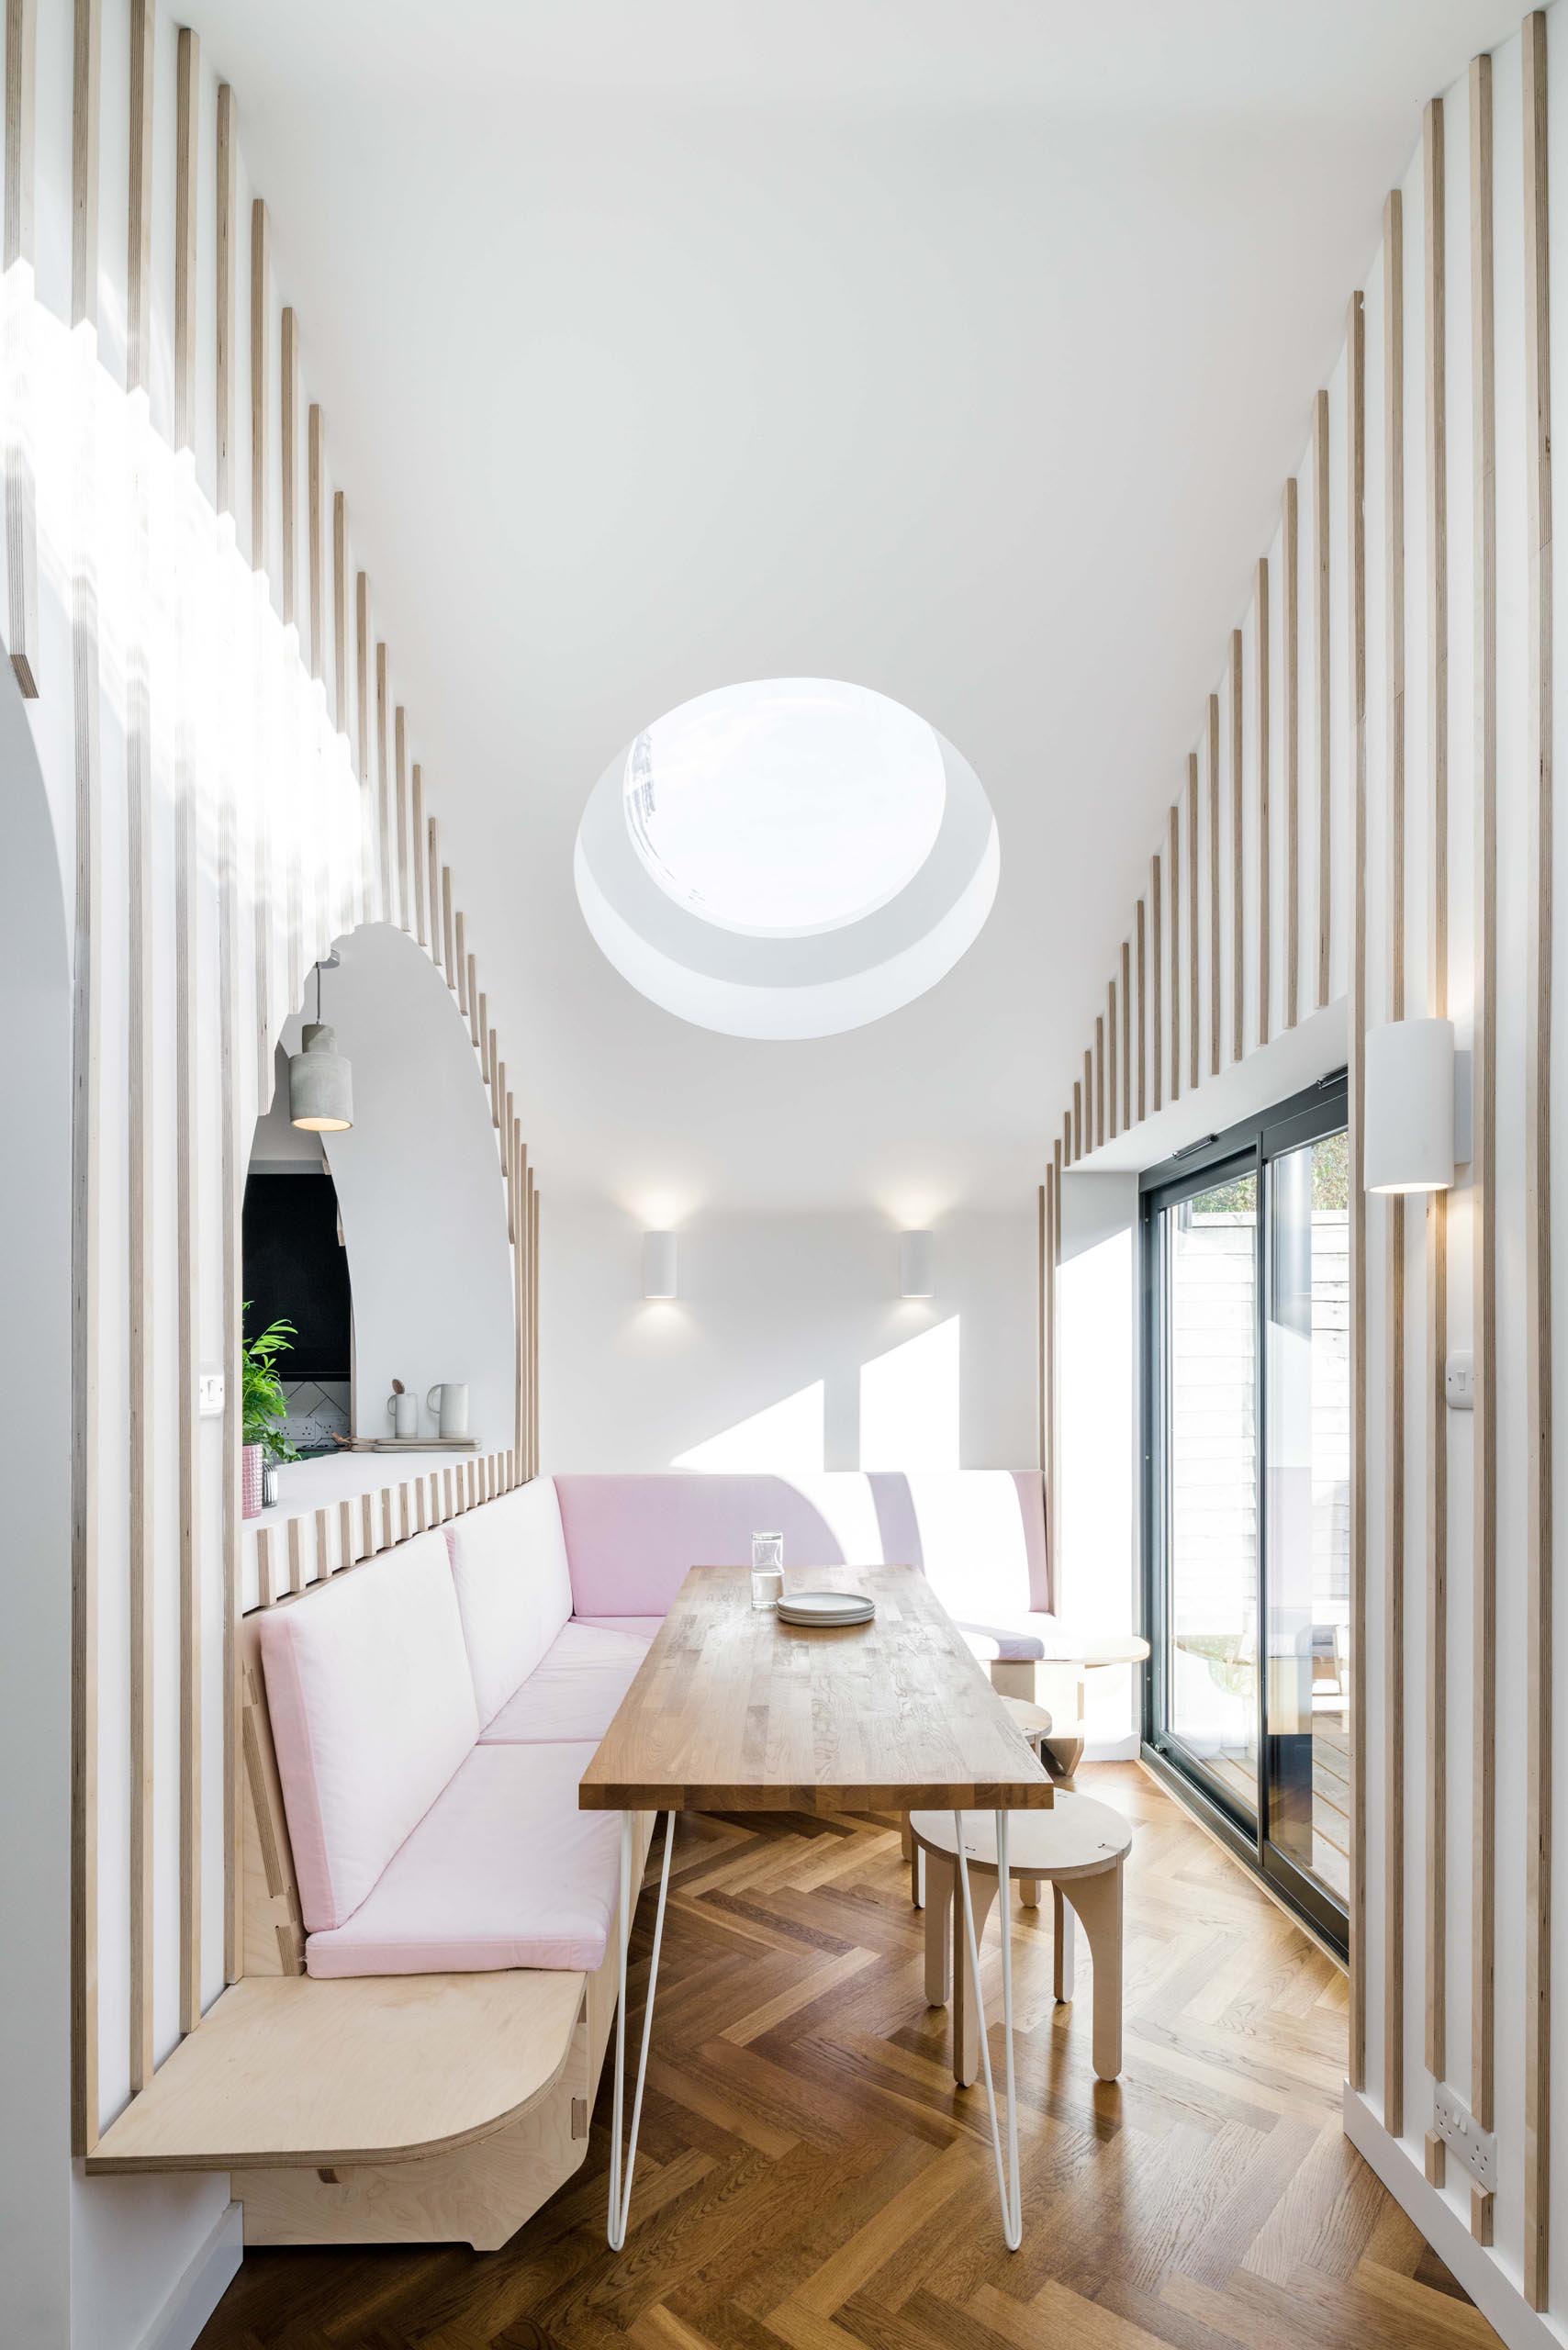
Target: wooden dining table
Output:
[{"x": 735, "y": 1709}]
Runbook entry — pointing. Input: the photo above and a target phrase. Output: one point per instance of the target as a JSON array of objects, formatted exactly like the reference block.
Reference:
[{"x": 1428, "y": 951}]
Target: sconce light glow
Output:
[
  {"x": 1410, "y": 1120},
  {"x": 914, "y": 1265},
  {"x": 658, "y": 1265}
]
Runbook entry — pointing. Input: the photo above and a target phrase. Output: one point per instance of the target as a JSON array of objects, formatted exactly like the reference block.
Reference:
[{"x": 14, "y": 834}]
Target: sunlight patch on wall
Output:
[
  {"x": 786, "y": 1439},
  {"x": 909, "y": 1403}
]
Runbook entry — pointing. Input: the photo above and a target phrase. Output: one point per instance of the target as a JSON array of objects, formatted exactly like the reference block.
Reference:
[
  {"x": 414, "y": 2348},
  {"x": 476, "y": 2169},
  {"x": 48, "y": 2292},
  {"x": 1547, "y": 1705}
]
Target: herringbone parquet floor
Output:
[{"x": 808, "y": 2178}]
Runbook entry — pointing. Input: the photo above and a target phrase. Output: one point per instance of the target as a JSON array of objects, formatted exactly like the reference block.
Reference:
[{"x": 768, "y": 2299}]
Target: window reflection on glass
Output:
[
  {"x": 1308, "y": 1388},
  {"x": 1212, "y": 1448}
]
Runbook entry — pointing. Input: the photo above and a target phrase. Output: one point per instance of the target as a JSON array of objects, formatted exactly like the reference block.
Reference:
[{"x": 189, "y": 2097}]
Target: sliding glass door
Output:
[{"x": 1246, "y": 1448}]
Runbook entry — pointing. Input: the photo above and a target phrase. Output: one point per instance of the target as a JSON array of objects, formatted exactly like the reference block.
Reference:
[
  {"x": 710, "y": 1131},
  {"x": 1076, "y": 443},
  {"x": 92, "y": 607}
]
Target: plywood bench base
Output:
[{"x": 478, "y": 2195}]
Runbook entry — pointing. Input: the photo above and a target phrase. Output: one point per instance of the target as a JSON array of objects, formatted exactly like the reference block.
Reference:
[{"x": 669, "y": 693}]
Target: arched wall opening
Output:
[{"x": 419, "y": 1192}]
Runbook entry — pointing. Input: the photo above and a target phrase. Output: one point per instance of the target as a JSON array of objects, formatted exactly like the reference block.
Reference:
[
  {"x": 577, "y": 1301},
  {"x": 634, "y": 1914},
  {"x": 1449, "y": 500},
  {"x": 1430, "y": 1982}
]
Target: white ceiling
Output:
[{"x": 957, "y": 350}]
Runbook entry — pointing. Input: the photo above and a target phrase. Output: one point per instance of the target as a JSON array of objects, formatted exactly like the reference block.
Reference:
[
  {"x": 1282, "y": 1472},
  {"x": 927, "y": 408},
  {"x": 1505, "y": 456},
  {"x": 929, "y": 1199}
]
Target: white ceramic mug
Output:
[
  {"x": 403, "y": 1411},
  {"x": 448, "y": 1401}
]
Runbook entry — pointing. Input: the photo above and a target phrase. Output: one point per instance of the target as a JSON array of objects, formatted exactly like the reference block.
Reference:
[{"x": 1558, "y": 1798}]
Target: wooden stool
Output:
[
  {"x": 1034, "y": 1723},
  {"x": 1080, "y": 1845}
]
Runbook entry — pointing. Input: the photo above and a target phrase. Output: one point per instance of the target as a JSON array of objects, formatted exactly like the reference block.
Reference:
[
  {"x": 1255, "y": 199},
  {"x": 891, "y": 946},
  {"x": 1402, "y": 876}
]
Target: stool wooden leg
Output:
[
  {"x": 967, "y": 2027},
  {"x": 1061, "y": 1920},
  {"x": 940, "y": 1879},
  {"x": 1098, "y": 1901},
  {"x": 1029, "y": 1892}
]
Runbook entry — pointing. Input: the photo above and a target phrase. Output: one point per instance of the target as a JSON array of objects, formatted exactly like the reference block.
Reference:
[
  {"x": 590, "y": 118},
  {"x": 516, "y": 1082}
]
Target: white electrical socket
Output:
[
  {"x": 209, "y": 1395},
  {"x": 1458, "y": 1382},
  {"x": 1457, "y": 2126}
]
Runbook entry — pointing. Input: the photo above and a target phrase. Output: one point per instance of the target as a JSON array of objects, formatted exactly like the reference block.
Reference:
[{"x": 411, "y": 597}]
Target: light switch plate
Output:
[
  {"x": 1457, "y": 2126},
  {"x": 1458, "y": 1382},
  {"x": 209, "y": 1395}
]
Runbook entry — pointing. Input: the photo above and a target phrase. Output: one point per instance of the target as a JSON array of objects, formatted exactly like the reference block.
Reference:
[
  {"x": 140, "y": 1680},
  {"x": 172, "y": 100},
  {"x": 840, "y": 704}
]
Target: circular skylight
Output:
[
  {"x": 785, "y": 807},
  {"x": 787, "y": 859}
]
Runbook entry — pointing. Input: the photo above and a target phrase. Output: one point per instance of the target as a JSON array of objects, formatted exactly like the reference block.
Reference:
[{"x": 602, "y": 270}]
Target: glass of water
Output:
[{"x": 766, "y": 1570}]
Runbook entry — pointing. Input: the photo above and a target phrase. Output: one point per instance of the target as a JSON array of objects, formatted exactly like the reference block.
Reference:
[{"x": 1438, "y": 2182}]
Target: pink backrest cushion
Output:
[
  {"x": 979, "y": 1533},
  {"x": 509, "y": 1565},
  {"x": 372, "y": 1711}
]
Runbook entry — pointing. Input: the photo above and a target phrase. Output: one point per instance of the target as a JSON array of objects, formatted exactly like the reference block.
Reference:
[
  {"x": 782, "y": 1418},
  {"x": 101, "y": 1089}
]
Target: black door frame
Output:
[{"x": 1247, "y": 1147}]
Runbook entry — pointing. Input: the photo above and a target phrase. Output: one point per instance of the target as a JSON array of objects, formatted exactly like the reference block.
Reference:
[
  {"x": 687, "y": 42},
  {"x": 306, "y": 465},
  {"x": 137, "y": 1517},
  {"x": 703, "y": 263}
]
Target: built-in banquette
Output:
[{"x": 430, "y": 1945}]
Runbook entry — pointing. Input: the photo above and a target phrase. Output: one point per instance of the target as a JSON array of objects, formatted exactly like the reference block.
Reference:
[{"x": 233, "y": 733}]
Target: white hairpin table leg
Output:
[
  {"x": 1009, "y": 2185},
  {"x": 620, "y": 2174}
]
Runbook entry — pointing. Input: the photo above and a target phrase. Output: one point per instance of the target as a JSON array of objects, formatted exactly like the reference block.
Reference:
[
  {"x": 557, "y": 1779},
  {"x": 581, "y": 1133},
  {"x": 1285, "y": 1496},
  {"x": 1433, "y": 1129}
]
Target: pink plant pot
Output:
[{"x": 250, "y": 1481}]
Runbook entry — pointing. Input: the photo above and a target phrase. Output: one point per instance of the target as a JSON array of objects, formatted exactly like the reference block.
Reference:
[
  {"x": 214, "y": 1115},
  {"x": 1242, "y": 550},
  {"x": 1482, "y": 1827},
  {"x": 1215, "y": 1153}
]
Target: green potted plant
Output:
[{"x": 263, "y": 1408}]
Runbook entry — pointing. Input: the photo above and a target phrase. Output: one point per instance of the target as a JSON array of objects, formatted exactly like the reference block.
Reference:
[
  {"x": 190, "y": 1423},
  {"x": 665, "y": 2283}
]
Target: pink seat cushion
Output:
[
  {"x": 573, "y": 1694},
  {"x": 645, "y": 1626},
  {"x": 508, "y": 1564},
  {"x": 503, "y": 1871},
  {"x": 372, "y": 1711},
  {"x": 980, "y": 1534}
]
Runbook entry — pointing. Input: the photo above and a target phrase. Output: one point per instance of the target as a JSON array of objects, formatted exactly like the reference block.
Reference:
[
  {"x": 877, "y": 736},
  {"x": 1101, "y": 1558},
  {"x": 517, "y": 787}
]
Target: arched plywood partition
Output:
[{"x": 36, "y": 1197}]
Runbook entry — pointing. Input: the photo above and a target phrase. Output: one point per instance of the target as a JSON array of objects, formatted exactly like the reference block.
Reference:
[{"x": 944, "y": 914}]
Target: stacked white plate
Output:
[{"x": 823, "y": 1607}]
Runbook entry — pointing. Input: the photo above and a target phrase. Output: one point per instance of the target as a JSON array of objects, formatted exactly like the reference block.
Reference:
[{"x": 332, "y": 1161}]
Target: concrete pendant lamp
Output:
[{"x": 320, "y": 1081}]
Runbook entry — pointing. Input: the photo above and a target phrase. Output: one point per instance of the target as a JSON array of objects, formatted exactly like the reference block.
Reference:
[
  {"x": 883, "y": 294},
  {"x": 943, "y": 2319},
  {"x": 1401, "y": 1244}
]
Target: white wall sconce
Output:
[
  {"x": 1417, "y": 1107},
  {"x": 658, "y": 1265},
  {"x": 914, "y": 1265},
  {"x": 320, "y": 1081}
]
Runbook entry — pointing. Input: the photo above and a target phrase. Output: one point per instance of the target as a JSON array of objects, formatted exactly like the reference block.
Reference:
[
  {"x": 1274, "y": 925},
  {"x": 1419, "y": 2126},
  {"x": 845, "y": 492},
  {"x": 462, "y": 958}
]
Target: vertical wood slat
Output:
[
  {"x": 340, "y": 611},
  {"x": 260, "y": 386},
  {"x": 464, "y": 960},
  {"x": 1127, "y": 1036},
  {"x": 1538, "y": 1182},
  {"x": 288, "y": 430},
  {"x": 224, "y": 250},
  {"x": 1356, "y": 556},
  {"x": 1214, "y": 923},
  {"x": 533, "y": 1290},
  {"x": 432, "y": 891},
  {"x": 368, "y": 842},
  {"x": 1138, "y": 925},
  {"x": 1394, "y": 1430},
  {"x": 141, "y": 1268},
  {"x": 187, "y": 1067},
  {"x": 1193, "y": 1056},
  {"x": 1173, "y": 859},
  {"x": 1322, "y": 674},
  {"x": 1484, "y": 1165},
  {"x": 315, "y": 567},
  {"x": 1088, "y": 1100},
  {"x": 520, "y": 1290},
  {"x": 21, "y": 510},
  {"x": 1156, "y": 959},
  {"x": 451, "y": 962},
  {"x": 1437, "y": 1432},
  {"x": 1112, "y": 1089},
  {"x": 261, "y": 390},
  {"x": 1237, "y": 856},
  {"x": 400, "y": 811},
  {"x": 383, "y": 788},
  {"x": 419, "y": 846},
  {"x": 1099, "y": 1081},
  {"x": 85, "y": 1195},
  {"x": 1290, "y": 556},
  {"x": 1265, "y": 846},
  {"x": 187, "y": 104},
  {"x": 1077, "y": 1120},
  {"x": 230, "y": 1141}
]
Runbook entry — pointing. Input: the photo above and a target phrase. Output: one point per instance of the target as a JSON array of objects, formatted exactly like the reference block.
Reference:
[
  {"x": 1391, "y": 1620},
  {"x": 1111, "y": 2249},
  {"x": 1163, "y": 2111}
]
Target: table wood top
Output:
[{"x": 733, "y": 1710}]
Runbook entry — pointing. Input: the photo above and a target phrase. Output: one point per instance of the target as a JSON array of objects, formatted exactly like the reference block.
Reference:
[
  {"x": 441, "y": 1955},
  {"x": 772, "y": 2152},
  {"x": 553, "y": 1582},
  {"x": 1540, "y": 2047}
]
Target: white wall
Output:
[
  {"x": 1096, "y": 1546},
  {"x": 789, "y": 1346}
]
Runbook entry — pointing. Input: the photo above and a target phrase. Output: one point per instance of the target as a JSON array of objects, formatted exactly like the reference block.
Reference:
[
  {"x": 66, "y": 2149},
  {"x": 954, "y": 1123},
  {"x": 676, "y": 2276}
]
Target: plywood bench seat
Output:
[{"x": 293, "y": 2072}]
